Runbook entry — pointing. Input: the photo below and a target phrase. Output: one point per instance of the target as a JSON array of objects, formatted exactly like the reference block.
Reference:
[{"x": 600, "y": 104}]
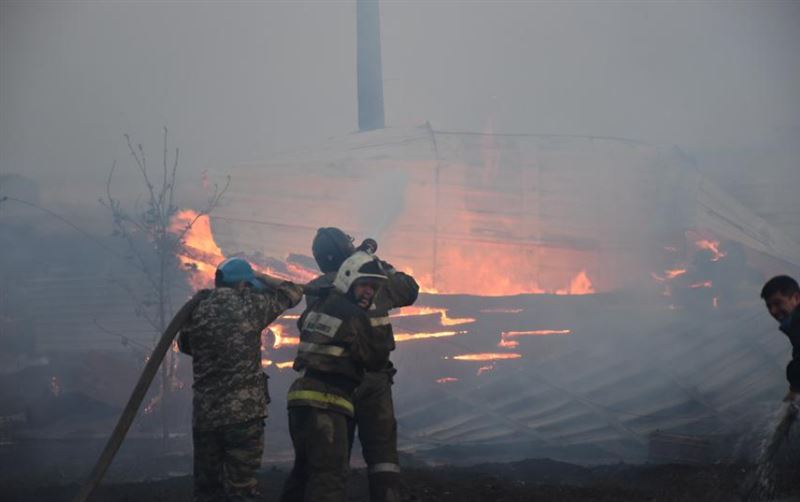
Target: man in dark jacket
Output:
[
  {"x": 782, "y": 297},
  {"x": 374, "y": 406},
  {"x": 230, "y": 389},
  {"x": 337, "y": 345}
]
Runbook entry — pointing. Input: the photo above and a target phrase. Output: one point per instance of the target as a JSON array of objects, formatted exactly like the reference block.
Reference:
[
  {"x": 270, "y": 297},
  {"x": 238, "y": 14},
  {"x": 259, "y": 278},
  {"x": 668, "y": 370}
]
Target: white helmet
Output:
[{"x": 359, "y": 265}]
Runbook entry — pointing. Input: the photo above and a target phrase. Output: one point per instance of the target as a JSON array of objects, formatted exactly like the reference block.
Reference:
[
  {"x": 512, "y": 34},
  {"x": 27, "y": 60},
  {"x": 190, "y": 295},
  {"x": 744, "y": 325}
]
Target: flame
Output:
[
  {"x": 284, "y": 365},
  {"x": 484, "y": 369},
  {"x": 487, "y": 356},
  {"x": 443, "y": 318},
  {"x": 404, "y": 337},
  {"x": 202, "y": 253},
  {"x": 510, "y": 344},
  {"x": 704, "y": 284},
  {"x": 446, "y": 380},
  {"x": 290, "y": 317},
  {"x": 537, "y": 332},
  {"x": 579, "y": 285},
  {"x": 277, "y": 332},
  {"x": 265, "y": 362},
  {"x": 713, "y": 246}
]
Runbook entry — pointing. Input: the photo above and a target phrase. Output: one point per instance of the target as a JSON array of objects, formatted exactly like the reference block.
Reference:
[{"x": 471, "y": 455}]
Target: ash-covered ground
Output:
[{"x": 540, "y": 480}]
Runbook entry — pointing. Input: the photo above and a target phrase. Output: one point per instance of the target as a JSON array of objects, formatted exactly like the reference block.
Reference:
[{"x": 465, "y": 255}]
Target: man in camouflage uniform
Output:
[
  {"x": 223, "y": 337},
  {"x": 374, "y": 407},
  {"x": 337, "y": 344}
]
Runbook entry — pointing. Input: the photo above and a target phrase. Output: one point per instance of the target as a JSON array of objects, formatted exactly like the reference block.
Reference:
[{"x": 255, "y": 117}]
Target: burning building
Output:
[{"x": 579, "y": 293}]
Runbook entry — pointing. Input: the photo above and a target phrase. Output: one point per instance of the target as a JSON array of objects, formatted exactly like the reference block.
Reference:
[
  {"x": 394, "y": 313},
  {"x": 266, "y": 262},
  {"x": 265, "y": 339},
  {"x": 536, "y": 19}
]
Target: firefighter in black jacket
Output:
[
  {"x": 337, "y": 345},
  {"x": 782, "y": 297},
  {"x": 374, "y": 406}
]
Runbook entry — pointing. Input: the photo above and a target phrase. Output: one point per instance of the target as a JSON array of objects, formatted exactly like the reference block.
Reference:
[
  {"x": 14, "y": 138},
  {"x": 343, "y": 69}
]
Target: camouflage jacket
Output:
[
  {"x": 224, "y": 339},
  {"x": 400, "y": 290}
]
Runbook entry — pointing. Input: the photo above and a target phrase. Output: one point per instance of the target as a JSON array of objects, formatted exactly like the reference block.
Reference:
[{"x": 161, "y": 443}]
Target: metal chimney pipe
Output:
[{"x": 368, "y": 66}]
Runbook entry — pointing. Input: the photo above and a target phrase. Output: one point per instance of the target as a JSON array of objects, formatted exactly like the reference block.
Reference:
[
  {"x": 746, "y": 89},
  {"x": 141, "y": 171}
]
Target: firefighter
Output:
[
  {"x": 337, "y": 345},
  {"x": 223, "y": 337},
  {"x": 374, "y": 407},
  {"x": 782, "y": 297}
]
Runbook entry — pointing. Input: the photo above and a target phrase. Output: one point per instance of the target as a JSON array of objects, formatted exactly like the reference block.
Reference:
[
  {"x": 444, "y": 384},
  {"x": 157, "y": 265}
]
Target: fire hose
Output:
[{"x": 146, "y": 378}]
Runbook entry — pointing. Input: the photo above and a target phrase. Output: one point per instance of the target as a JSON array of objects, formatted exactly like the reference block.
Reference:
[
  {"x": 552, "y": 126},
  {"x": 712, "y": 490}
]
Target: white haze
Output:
[{"x": 237, "y": 81}]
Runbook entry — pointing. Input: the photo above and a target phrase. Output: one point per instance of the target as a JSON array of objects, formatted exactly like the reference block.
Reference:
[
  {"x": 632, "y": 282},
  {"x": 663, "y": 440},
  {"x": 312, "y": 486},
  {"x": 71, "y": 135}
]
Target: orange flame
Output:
[
  {"x": 579, "y": 285},
  {"x": 284, "y": 365},
  {"x": 443, "y": 318},
  {"x": 446, "y": 380},
  {"x": 202, "y": 253},
  {"x": 507, "y": 344},
  {"x": 713, "y": 246},
  {"x": 484, "y": 369},
  {"x": 404, "y": 337},
  {"x": 537, "y": 332},
  {"x": 487, "y": 356}
]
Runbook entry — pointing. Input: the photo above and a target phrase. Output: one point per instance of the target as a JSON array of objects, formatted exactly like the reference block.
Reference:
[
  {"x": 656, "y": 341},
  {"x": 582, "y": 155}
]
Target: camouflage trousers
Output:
[
  {"x": 377, "y": 432},
  {"x": 322, "y": 440},
  {"x": 226, "y": 460}
]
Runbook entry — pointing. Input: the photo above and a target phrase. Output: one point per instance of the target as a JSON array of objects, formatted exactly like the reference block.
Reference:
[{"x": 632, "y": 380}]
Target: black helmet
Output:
[{"x": 331, "y": 247}]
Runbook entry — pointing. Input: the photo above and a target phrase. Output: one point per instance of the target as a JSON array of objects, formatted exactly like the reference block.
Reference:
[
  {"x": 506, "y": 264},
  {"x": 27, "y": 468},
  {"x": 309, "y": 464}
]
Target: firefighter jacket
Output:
[
  {"x": 792, "y": 330},
  {"x": 400, "y": 290},
  {"x": 223, "y": 337},
  {"x": 337, "y": 344}
]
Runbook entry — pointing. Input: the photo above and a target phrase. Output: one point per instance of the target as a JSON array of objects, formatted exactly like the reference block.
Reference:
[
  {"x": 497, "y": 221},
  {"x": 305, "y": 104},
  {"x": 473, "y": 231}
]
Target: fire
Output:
[
  {"x": 490, "y": 268},
  {"x": 281, "y": 340},
  {"x": 668, "y": 274},
  {"x": 290, "y": 317},
  {"x": 579, "y": 285},
  {"x": 404, "y": 337},
  {"x": 446, "y": 380},
  {"x": 510, "y": 344},
  {"x": 713, "y": 246},
  {"x": 443, "y": 318},
  {"x": 202, "y": 253},
  {"x": 487, "y": 356},
  {"x": 537, "y": 332},
  {"x": 281, "y": 366},
  {"x": 484, "y": 369}
]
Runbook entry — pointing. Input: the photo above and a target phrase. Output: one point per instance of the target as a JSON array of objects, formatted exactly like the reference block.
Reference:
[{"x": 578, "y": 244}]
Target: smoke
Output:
[{"x": 383, "y": 202}]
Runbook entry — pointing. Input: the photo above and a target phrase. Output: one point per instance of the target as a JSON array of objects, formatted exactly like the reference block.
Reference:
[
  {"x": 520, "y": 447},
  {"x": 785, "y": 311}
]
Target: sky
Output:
[{"x": 235, "y": 82}]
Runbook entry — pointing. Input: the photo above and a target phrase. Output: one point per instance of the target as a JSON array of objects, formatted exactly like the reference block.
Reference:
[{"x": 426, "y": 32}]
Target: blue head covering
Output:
[{"x": 236, "y": 270}]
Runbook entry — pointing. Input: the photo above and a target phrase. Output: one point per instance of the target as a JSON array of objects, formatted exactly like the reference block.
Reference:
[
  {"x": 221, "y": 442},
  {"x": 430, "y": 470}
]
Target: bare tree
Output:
[{"x": 153, "y": 245}]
